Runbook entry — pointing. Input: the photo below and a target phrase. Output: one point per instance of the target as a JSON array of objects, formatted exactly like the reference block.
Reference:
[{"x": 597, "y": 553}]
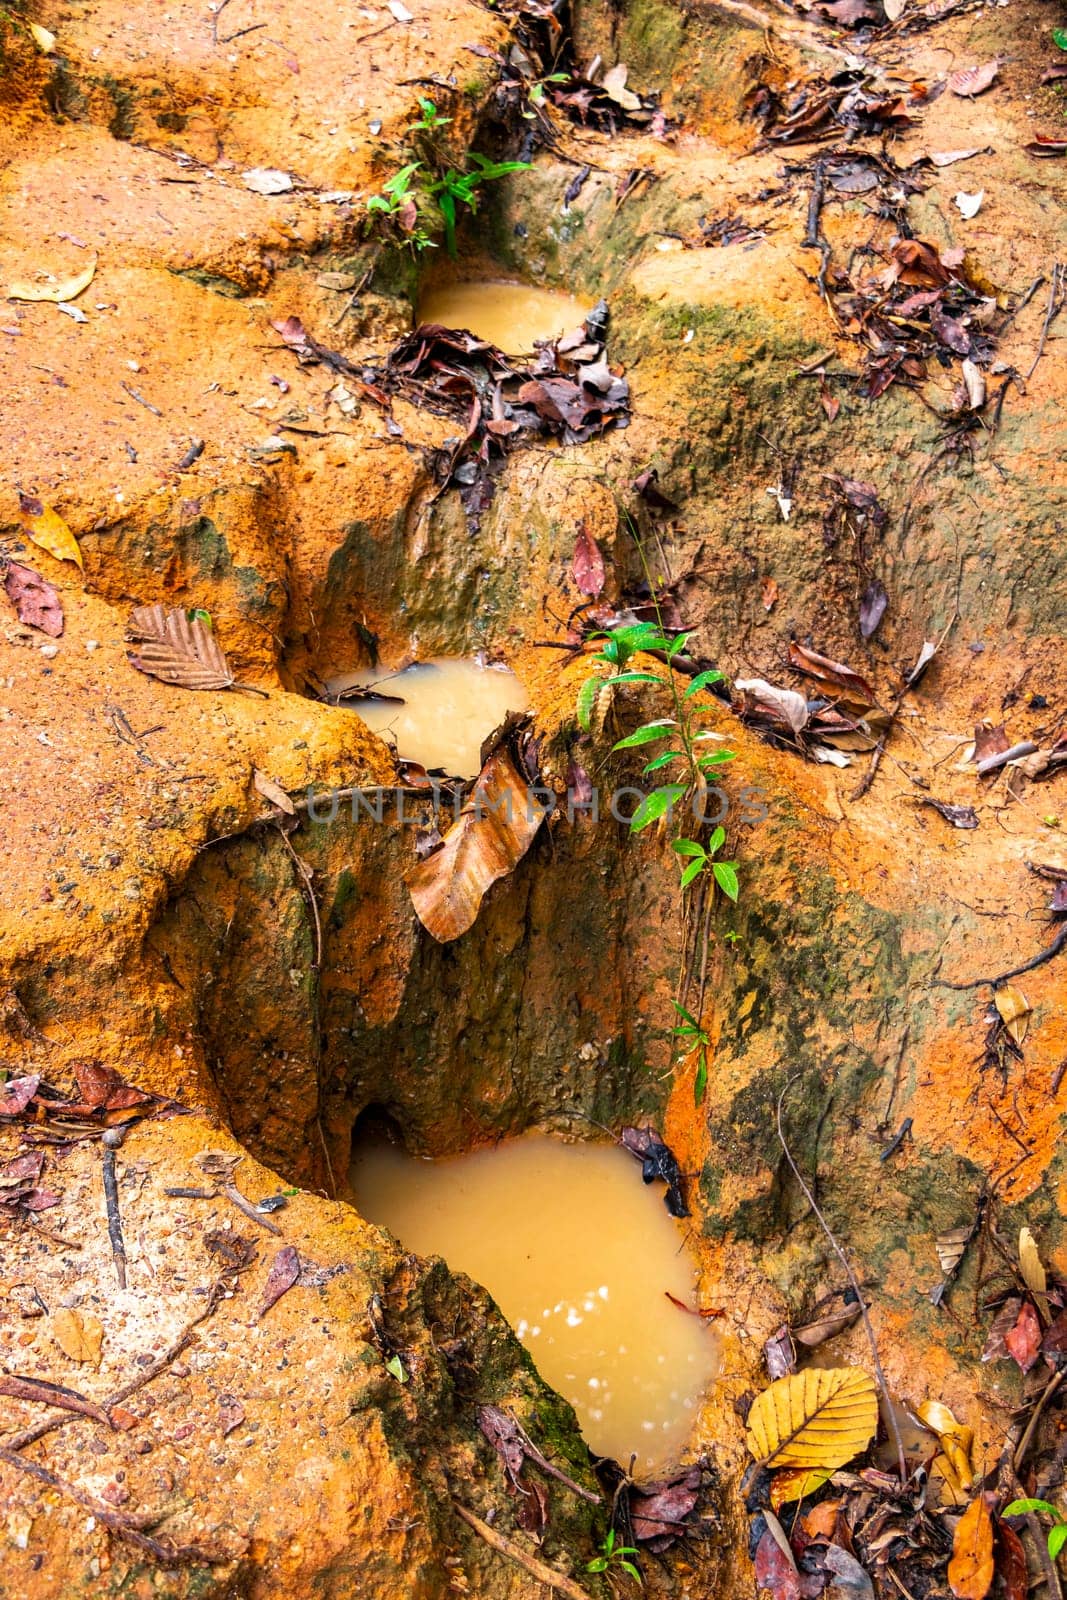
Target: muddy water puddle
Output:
[
  {"x": 438, "y": 711},
  {"x": 580, "y": 1258},
  {"x": 510, "y": 315}
]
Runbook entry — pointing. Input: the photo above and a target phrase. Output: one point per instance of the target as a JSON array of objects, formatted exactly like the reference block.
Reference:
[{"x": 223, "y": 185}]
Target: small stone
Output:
[
  {"x": 92, "y": 644},
  {"x": 49, "y": 650}
]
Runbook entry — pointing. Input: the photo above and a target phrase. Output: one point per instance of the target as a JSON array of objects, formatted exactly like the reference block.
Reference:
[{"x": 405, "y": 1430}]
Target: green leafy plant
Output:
[
  {"x": 1057, "y": 1534},
  {"x": 430, "y": 119},
  {"x": 454, "y": 189},
  {"x": 536, "y": 92},
  {"x": 614, "y": 1555},
  {"x": 1059, "y": 36},
  {"x": 397, "y": 203}
]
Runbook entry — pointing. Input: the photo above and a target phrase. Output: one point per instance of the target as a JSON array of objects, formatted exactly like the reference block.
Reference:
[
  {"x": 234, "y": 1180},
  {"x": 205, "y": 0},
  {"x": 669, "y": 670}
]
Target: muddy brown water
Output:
[
  {"x": 580, "y": 1256},
  {"x": 513, "y": 316},
  {"x": 451, "y": 704}
]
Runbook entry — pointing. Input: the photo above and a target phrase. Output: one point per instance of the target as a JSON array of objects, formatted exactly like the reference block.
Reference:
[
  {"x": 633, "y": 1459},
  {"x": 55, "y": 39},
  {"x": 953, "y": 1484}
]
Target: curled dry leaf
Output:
[
  {"x": 64, "y": 289},
  {"x": 177, "y": 648},
  {"x": 769, "y": 593},
  {"x": 36, "y": 602},
  {"x": 996, "y": 1346},
  {"x": 817, "y": 1418},
  {"x": 970, "y": 81},
  {"x": 267, "y": 180},
  {"x": 952, "y": 1245},
  {"x": 970, "y": 1571},
  {"x": 956, "y": 1441},
  {"x": 1011, "y": 1563},
  {"x": 812, "y": 1334},
  {"x": 492, "y": 834},
  {"x": 47, "y": 529},
  {"x": 834, "y": 673},
  {"x": 1014, "y": 1009}
]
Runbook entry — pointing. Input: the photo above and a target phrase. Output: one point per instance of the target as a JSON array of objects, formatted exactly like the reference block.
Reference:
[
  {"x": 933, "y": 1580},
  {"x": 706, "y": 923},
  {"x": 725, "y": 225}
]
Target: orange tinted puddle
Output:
[
  {"x": 510, "y": 315},
  {"x": 451, "y": 704},
  {"x": 578, "y": 1254}
]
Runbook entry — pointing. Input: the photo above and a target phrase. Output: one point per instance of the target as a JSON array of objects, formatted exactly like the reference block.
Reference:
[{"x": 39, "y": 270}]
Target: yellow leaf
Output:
[
  {"x": 819, "y": 1418},
  {"x": 79, "y": 1337},
  {"x": 1014, "y": 1010},
  {"x": 795, "y": 1483},
  {"x": 45, "y": 41},
  {"x": 67, "y": 289},
  {"x": 970, "y": 1571},
  {"x": 1032, "y": 1270},
  {"x": 48, "y": 530}
]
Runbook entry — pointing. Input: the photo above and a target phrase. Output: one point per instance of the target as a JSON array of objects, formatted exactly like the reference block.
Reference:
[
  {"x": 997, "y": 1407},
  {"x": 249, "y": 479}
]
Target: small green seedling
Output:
[
  {"x": 396, "y": 192},
  {"x": 1057, "y": 1534},
  {"x": 614, "y": 1555},
  {"x": 430, "y": 120},
  {"x": 697, "y": 1038}
]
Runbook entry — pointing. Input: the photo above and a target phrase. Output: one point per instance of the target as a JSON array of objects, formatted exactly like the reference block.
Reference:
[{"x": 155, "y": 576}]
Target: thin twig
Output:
[
  {"x": 1035, "y": 1417},
  {"x": 1056, "y": 302},
  {"x": 514, "y": 1552},
  {"x": 1039, "y": 960},
  {"x": 111, "y": 1139},
  {"x": 168, "y": 1555},
  {"x": 309, "y": 890},
  {"x": 891, "y": 1420}
]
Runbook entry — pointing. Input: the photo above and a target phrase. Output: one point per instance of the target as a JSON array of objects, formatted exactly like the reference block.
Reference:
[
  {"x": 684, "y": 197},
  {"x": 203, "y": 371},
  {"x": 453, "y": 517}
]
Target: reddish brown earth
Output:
[{"x": 193, "y": 967}]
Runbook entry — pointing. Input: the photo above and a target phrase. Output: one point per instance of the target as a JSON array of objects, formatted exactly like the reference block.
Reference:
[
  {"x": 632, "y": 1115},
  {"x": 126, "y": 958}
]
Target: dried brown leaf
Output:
[
  {"x": 284, "y": 1272},
  {"x": 273, "y": 792},
  {"x": 80, "y": 1337},
  {"x": 489, "y": 839},
  {"x": 177, "y": 649},
  {"x": 970, "y": 81},
  {"x": 970, "y": 1571},
  {"x": 35, "y": 601},
  {"x": 588, "y": 564},
  {"x": 1023, "y": 1341},
  {"x": 1015, "y": 1009}
]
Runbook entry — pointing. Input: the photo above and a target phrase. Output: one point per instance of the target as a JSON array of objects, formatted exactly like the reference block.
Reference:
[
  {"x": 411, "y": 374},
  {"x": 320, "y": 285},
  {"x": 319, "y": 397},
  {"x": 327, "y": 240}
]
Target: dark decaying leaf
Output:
[
  {"x": 19, "y": 1185},
  {"x": 588, "y": 565},
  {"x": 873, "y": 603},
  {"x": 1046, "y": 145},
  {"x": 848, "y": 1580},
  {"x": 1011, "y": 1563},
  {"x": 1058, "y": 903},
  {"x": 1054, "y": 1344},
  {"x": 36, "y": 602},
  {"x": 236, "y": 1251},
  {"x": 657, "y": 1161},
  {"x": 646, "y": 484},
  {"x": 996, "y": 1348},
  {"x": 177, "y": 649},
  {"x": 284, "y": 1272},
  {"x": 492, "y": 834},
  {"x": 775, "y": 1571},
  {"x": 959, "y": 816},
  {"x": 779, "y": 1353},
  {"x": 658, "y": 1511},
  {"x": 1023, "y": 1341}
]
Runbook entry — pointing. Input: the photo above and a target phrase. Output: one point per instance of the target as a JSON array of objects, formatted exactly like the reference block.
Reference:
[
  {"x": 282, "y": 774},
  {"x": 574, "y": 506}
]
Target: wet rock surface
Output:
[{"x": 157, "y": 912}]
